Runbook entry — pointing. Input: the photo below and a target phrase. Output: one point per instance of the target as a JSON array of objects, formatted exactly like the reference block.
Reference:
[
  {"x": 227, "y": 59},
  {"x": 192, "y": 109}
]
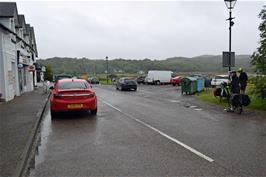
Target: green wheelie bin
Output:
[{"x": 189, "y": 85}]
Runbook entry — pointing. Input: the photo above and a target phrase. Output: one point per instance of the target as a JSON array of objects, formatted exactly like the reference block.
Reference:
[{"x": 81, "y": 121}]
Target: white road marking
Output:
[
  {"x": 163, "y": 134},
  {"x": 198, "y": 109},
  {"x": 174, "y": 101},
  {"x": 145, "y": 91},
  {"x": 112, "y": 106}
]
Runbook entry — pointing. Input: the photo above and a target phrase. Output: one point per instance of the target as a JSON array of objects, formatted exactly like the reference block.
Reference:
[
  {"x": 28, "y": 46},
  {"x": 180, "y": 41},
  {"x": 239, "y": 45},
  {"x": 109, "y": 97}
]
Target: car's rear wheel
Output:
[
  {"x": 94, "y": 111},
  {"x": 53, "y": 114}
]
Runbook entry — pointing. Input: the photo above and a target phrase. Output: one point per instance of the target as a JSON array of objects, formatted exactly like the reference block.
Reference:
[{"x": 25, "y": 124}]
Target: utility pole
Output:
[
  {"x": 107, "y": 69},
  {"x": 230, "y": 5}
]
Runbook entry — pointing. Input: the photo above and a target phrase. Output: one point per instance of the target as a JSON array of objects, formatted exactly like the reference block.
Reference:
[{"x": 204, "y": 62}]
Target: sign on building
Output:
[
  {"x": 31, "y": 68},
  {"x": 43, "y": 69},
  {"x": 228, "y": 59}
]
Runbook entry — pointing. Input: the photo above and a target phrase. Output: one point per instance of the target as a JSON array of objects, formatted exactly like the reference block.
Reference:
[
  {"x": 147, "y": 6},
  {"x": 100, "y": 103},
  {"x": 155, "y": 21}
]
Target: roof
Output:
[
  {"x": 223, "y": 75},
  {"x": 8, "y": 9},
  {"x": 21, "y": 21},
  {"x": 33, "y": 40},
  {"x": 27, "y": 29},
  {"x": 191, "y": 78}
]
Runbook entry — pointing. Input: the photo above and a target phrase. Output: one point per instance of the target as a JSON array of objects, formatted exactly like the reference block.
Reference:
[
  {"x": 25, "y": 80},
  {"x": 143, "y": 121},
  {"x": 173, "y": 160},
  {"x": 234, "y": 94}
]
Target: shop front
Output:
[{"x": 25, "y": 73}]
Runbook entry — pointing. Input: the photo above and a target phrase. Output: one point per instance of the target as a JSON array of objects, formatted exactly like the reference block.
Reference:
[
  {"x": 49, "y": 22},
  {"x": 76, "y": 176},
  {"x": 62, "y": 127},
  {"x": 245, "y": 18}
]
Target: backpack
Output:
[
  {"x": 217, "y": 92},
  {"x": 245, "y": 100},
  {"x": 235, "y": 100}
]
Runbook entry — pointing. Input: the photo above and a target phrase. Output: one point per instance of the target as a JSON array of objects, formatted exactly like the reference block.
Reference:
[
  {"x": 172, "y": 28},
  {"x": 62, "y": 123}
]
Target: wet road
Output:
[{"x": 152, "y": 132}]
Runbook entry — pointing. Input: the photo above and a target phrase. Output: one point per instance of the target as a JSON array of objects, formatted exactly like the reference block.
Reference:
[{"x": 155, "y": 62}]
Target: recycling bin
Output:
[
  {"x": 189, "y": 85},
  {"x": 200, "y": 84}
]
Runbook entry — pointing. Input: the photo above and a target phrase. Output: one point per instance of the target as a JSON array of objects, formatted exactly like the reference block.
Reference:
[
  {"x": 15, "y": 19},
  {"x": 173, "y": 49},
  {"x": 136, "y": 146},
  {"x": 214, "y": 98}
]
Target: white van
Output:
[{"x": 158, "y": 77}]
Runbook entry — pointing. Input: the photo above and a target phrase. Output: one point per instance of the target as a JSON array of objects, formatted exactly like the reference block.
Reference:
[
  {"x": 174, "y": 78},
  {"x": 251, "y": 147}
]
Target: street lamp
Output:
[
  {"x": 107, "y": 69},
  {"x": 230, "y": 5}
]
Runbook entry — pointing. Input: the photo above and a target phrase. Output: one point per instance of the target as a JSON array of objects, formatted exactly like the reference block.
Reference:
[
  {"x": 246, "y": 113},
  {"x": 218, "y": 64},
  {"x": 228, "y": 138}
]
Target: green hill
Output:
[{"x": 204, "y": 63}]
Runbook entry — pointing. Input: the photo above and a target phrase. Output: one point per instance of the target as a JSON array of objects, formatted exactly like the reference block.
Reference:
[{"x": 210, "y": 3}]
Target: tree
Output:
[
  {"x": 259, "y": 57},
  {"x": 49, "y": 73}
]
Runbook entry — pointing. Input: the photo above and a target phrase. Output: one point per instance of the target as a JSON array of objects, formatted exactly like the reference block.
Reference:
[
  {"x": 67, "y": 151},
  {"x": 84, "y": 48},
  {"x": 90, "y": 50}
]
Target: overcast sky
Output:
[{"x": 137, "y": 30}]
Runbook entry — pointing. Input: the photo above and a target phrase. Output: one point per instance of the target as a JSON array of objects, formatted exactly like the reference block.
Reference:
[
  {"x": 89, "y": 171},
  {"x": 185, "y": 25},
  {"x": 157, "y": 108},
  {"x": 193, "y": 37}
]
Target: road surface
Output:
[{"x": 152, "y": 132}]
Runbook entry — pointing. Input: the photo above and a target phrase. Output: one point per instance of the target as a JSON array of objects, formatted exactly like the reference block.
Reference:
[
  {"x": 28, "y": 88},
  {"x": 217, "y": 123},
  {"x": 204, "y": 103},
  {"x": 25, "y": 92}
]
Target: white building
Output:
[{"x": 18, "y": 53}]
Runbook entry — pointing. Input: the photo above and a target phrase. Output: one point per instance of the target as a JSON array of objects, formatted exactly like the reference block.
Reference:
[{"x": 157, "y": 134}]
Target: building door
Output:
[
  {"x": 13, "y": 66},
  {"x": 20, "y": 81}
]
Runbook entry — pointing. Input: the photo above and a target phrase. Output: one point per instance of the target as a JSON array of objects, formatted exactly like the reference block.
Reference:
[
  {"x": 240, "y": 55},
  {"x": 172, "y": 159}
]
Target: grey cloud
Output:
[{"x": 140, "y": 29}]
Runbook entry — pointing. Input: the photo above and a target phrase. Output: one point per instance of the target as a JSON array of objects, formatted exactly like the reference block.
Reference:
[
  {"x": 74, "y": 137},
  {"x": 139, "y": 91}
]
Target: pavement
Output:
[{"x": 19, "y": 120}]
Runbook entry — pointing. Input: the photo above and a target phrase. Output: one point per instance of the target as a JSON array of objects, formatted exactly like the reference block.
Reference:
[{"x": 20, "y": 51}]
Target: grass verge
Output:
[
  {"x": 256, "y": 103},
  {"x": 104, "y": 82}
]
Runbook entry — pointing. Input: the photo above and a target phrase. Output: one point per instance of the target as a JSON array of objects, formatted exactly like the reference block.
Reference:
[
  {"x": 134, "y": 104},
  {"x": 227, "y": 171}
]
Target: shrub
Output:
[{"x": 260, "y": 86}]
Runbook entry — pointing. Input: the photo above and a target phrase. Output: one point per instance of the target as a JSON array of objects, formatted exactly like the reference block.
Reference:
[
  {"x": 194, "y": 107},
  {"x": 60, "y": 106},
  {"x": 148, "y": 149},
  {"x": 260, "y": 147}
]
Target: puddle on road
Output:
[
  {"x": 44, "y": 132},
  {"x": 74, "y": 120},
  {"x": 196, "y": 108}
]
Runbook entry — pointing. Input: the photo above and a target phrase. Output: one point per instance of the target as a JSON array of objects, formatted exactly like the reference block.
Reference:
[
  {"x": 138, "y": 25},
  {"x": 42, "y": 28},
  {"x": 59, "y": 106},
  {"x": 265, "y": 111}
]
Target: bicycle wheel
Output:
[{"x": 239, "y": 109}]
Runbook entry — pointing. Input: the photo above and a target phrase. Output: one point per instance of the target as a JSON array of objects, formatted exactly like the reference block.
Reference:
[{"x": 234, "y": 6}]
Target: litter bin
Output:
[
  {"x": 200, "y": 84},
  {"x": 189, "y": 85}
]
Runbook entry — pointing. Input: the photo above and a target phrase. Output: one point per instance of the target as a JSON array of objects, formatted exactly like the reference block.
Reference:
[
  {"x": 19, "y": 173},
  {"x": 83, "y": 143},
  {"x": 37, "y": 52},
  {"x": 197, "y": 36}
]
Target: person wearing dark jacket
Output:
[
  {"x": 243, "y": 78},
  {"x": 234, "y": 83},
  {"x": 235, "y": 88}
]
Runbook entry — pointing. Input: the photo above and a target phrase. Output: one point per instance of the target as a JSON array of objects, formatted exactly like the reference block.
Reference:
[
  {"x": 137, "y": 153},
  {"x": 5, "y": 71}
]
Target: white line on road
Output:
[
  {"x": 145, "y": 91},
  {"x": 112, "y": 106},
  {"x": 163, "y": 134},
  {"x": 174, "y": 101}
]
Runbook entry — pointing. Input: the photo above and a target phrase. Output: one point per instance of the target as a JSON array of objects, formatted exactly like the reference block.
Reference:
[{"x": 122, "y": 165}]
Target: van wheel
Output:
[
  {"x": 94, "y": 111},
  {"x": 158, "y": 82}
]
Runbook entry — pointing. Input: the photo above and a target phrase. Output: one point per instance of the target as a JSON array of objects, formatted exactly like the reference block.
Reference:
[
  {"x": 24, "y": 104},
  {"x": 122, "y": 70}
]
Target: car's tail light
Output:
[{"x": 89, "y": 95}]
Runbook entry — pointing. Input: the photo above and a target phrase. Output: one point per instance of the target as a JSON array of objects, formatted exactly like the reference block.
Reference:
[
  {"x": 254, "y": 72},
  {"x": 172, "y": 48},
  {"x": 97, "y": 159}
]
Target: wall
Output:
[
  {"x": 9, "y": 65},
  {"x": 2, "y": 64}
]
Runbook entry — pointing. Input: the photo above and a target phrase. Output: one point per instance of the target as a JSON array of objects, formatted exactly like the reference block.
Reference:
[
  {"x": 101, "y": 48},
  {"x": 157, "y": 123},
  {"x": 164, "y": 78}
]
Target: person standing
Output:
[
  {"x": 243, "y": 78},
  {"x": 235, "y": 89},
  {"x": 235, "y": 83}
]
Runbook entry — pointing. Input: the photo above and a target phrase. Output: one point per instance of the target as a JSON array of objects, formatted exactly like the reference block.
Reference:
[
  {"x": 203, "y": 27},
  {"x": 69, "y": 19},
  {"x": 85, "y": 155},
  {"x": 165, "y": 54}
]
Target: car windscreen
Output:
[
  {"x": 130, "y": 81},
  {"x": 62, "y": 77},
  {"x": 221, "y": 77},
  {"x": 72, "y": 85}
]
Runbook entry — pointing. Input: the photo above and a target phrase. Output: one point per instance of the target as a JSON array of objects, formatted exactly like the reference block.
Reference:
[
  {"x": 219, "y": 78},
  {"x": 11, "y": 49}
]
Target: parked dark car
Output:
[
  {"x": 93, "y": 80},
  {"x": 126, "y": 84},
  {"x": 141, "y": 80}
]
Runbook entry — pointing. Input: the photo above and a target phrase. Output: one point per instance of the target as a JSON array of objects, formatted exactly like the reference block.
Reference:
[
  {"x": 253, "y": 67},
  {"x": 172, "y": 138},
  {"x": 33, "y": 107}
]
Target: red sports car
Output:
[
  {"x": 176, "y": 80},
  {"x": 73, "y": 94}
]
